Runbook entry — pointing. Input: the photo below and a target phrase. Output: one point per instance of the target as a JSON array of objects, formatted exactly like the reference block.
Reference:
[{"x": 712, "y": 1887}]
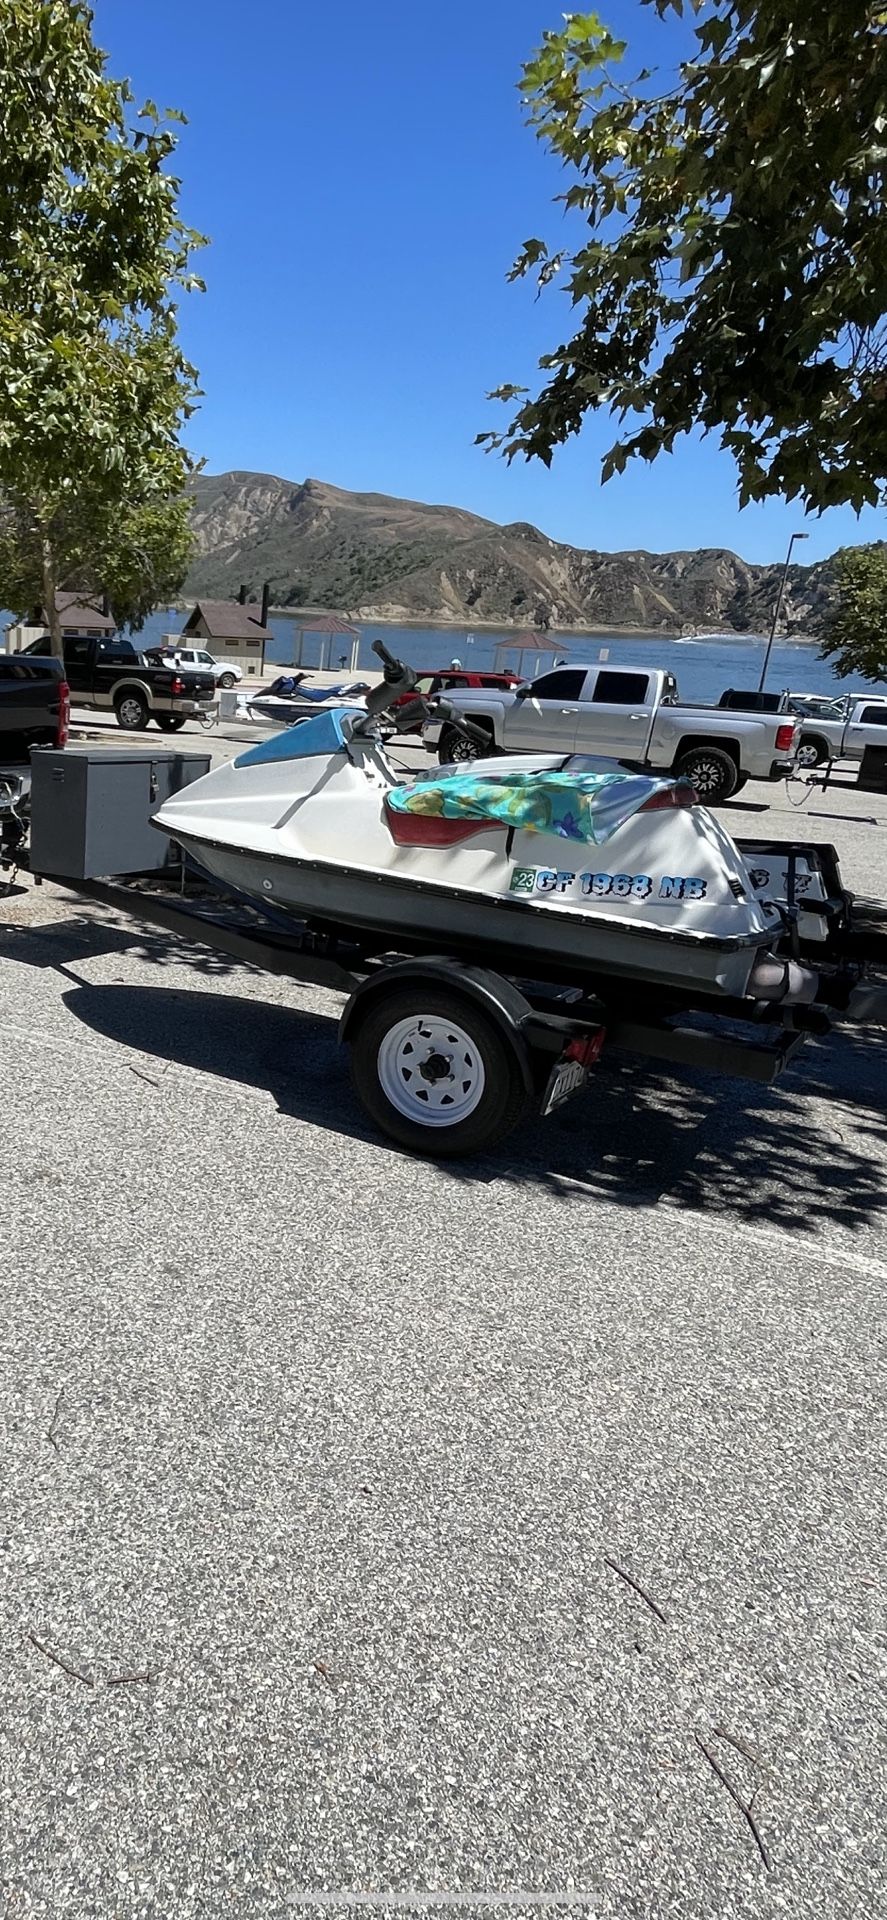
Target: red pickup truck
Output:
[{"x": 450, "y": 679}]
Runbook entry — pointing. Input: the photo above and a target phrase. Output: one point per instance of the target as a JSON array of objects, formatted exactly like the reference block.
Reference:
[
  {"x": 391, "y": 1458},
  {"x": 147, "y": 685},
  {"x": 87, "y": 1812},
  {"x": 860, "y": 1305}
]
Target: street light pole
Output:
[{"x": 795, "y": 536}]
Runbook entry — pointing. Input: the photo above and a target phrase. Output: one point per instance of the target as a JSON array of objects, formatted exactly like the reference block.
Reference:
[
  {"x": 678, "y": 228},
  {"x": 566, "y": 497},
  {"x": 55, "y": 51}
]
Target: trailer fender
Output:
[{"x": 499, "y": 998}]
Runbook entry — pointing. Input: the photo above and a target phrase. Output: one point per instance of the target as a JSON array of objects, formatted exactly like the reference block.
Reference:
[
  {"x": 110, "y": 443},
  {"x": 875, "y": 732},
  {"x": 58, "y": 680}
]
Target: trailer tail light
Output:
[
  {"x": 432, "y": 830},
  {"x": 178, "y": 685},
  {"x": 785, "y": 737},
  {"x": 64, "y": 719},
  {"x": 680, "y": 795}
]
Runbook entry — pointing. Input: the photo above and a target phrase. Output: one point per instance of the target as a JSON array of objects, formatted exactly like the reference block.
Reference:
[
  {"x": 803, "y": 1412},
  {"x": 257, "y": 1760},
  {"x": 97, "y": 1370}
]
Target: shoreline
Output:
[{"x": 420, "y": 623}]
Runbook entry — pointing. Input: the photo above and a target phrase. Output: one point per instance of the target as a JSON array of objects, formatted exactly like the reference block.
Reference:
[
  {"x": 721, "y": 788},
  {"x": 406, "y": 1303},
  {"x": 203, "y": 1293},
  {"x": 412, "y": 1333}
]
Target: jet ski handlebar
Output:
[
  {"x": 444, "y": 710},
  {"x": 399, "y": 679}
]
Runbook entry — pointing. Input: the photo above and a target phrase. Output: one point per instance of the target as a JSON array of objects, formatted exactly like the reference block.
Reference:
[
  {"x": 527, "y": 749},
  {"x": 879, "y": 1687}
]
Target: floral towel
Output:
[{"x": 575, "y": 806}]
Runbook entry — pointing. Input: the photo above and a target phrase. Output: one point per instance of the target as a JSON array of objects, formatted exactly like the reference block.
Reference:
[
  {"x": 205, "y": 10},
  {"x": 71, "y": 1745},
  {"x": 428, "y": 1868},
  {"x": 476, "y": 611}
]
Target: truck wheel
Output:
[
  {"x": 455, "y": 746},
  {"x": 812, "y": 750},
  {"x": 170, "y": 722},
  {"x": 132, "y": 711},
  {"x": 227, "y": 680},
  {"x": 435, "y": 1073},
  {"x": 711, "y": 771}
]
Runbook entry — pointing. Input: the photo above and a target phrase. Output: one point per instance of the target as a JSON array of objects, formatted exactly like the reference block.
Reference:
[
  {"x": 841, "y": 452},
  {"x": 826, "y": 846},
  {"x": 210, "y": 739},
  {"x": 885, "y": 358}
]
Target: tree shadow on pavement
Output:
[
  {"x": 806, "y": 1153},
  {"x": 89, "y": 936}
]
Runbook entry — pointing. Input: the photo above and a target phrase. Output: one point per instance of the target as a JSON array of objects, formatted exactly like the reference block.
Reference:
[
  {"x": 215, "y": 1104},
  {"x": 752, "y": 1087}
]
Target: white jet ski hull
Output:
[
  {"x": 522, "y": 936},
  {"x": 666, "y": 900}
]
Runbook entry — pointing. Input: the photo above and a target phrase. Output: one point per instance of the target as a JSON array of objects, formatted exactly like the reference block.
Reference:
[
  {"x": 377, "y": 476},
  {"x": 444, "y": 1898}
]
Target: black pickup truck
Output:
[
  {"x": 34, "y": 708},
  {"x": 113, "y": 677}
]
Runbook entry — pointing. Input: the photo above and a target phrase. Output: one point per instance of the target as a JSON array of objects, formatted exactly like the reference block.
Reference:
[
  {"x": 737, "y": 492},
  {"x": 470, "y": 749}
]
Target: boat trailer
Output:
[{"x": 447, "y": 1055}]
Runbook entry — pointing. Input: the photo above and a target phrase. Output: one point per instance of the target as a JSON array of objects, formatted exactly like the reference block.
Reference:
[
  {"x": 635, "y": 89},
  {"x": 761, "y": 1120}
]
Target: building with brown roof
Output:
[
  {"x": 235, "y": 630},
  {"x": 82, "y": 616}
]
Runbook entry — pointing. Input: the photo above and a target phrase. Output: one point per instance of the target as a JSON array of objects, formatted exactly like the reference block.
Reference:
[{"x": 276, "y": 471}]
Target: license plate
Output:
[{"x": 570, "y": 1073}]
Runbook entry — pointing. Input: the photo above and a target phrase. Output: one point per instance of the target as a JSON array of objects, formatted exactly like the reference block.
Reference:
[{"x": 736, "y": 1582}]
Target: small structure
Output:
[
  {"x": 327, "y": 625},
  {"x": 234, "y": 630},
  {"x": 82, "y": 617},
  {"x": 538, "y": 645}
]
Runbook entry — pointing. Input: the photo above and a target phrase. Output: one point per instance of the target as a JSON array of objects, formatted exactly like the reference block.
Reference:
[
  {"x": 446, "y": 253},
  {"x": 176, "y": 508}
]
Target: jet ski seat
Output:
[{"x": 570, "y": 803}]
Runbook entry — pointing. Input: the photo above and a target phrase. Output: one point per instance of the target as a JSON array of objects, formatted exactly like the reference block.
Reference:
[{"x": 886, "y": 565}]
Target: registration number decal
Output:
[{"x": 614, "y": 886}]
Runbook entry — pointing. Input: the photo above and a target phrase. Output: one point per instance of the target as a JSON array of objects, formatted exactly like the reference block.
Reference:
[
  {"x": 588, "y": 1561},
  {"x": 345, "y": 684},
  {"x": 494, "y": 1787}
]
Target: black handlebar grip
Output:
[{"x": 388, "y": 659}]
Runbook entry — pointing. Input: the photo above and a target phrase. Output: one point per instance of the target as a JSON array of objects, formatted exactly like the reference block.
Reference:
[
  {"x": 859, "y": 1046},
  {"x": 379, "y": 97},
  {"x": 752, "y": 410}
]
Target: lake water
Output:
[{"x": 703, "y": 668}]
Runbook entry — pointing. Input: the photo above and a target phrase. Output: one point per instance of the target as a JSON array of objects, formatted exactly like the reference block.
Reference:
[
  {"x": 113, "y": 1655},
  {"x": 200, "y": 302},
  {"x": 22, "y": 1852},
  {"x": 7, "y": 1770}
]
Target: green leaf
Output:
[{"x": 734, "y": 277}]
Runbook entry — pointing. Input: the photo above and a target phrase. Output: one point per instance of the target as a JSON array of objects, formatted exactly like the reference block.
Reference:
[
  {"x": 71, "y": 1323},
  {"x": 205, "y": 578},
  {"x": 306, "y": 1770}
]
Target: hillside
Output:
[{"x": 381, "y": 558}]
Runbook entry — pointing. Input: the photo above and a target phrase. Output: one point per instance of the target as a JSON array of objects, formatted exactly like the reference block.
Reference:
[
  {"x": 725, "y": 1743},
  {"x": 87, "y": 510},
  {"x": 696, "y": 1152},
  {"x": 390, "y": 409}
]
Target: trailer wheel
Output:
[
  {"x": 711, "y": 771},
  {"x": 436, "y": 1073},
  {"x": 132, "y": 710}
]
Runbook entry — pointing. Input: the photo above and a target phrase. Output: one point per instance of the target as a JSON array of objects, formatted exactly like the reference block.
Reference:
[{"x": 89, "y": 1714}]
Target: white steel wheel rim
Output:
[
  {"x": 462, "y": 749},
  {"x": 431, "y": 1071},
  {"x": 130, "y": 709},
  {"x": 807, "y": 756}
]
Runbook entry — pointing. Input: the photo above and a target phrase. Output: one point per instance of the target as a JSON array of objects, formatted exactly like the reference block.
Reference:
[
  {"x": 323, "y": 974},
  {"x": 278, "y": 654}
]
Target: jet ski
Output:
[
  {"x": 548, "y": 866},
  {"x": 288, "y": 699}
]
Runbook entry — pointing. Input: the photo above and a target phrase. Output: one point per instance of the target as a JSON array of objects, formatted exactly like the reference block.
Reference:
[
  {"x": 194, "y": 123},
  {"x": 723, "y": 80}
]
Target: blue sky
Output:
[{"x": 366, "y": 178}]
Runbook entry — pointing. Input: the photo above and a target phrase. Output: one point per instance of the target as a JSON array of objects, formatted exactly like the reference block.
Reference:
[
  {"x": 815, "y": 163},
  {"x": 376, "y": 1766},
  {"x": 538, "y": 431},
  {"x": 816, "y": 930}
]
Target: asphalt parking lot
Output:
[{"x": 328, "y": 1472}]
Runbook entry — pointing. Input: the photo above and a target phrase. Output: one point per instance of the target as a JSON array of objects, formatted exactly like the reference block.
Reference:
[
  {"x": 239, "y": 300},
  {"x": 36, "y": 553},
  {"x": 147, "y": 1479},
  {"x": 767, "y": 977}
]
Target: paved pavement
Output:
[{"x": 356, "y": 1457}]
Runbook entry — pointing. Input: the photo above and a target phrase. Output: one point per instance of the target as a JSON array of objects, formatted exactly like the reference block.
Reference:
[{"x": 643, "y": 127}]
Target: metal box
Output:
[
  {"x": 872, "y": 775},
  {"x": 91, "y": 809}
]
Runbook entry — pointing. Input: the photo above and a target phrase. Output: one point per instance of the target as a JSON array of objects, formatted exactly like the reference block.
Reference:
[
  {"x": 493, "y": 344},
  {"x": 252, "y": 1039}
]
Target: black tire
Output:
[
  {"x": 227, "y": 680},
  {"x": 742, "y": 780},
  {"x": 501, "y": 1103},
  {"x": 132, "y": 710},
  {"x": 454, "y": 746},
  {"x": 812, "y": 750},
  {"x": 711, "y": 771},
  {"x": 170, "y": 722}
]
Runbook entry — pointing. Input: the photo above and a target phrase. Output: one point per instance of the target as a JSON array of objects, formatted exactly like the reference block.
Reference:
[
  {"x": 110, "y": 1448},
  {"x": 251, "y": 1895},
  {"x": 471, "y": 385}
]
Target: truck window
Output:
[
  {"x": 115, "y": 650},
  {"x": 874, "y": 717},
  {"x": 565, "y": 683},
  {"x": 620, "y": 689},
  {"x": 76, "y": 652}
]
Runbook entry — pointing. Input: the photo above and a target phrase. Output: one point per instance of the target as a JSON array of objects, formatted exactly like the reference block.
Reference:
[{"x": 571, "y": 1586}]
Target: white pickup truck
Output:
[
  {"x": 844, "y": 736},
  {"x": 624, "y": 714}
]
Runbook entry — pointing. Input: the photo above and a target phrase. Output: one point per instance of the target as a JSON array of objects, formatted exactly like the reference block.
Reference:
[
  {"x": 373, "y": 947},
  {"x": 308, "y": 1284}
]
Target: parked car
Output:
[
  {"x": 624, "y": 714},
  {"x": 225, "y": 673},
  {"x": 34, "y": 710},
  {"x": 846, "y": 737},
  {"x": 112, "y": 676}
]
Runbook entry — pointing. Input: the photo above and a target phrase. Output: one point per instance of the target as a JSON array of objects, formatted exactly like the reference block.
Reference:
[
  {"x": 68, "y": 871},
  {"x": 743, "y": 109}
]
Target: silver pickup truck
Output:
[
  {"x": 844, "y": 734},
  {"x": 625, "y": 714}
]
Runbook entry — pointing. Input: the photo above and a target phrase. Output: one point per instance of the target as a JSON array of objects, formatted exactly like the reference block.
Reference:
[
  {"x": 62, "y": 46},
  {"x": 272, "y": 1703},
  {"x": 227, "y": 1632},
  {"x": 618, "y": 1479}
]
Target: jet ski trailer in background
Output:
[{"x": 449, "y": 1054}]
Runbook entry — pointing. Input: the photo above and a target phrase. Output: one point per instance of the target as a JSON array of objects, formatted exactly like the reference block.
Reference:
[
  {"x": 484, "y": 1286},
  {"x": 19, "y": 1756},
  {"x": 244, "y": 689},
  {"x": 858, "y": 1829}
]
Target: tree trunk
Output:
[{"x": 50, "y": 610}]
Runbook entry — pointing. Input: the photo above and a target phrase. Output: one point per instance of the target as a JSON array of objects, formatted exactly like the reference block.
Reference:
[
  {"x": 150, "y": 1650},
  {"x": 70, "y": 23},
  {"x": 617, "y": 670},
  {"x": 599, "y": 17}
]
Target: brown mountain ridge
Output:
[{"x": 377, "y": 557}]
